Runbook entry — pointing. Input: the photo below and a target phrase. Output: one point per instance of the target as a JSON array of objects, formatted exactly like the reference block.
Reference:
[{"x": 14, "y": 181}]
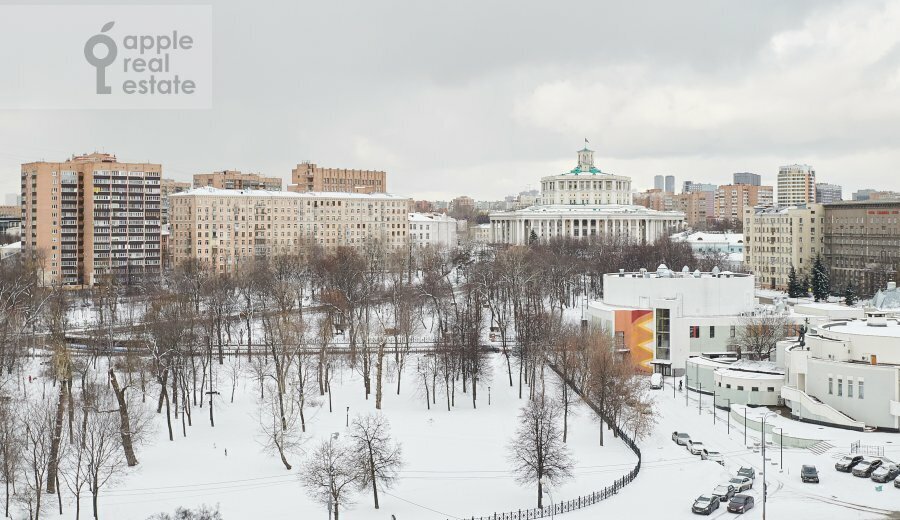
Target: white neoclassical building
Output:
[{"x": 584, "y": 202}]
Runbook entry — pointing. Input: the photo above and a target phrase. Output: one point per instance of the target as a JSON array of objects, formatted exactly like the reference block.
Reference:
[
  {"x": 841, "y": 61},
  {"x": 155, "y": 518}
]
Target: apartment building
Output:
[
  {"x": 92, "y": 217},
  {"x": 225, "y": 228},
  {"x": 733, "y": 199},
  {"x": 168, "y": 187},
  {"x": 826, "y": 193},
  {"x": 697, "y": 206},
  {"x": 309, "y": 177},
  {"x": 796, "y": 185},
  {"x": 777, "y": 238},
  {"x": 862, "y": 244},
  {"x": 235, "y": 180}
]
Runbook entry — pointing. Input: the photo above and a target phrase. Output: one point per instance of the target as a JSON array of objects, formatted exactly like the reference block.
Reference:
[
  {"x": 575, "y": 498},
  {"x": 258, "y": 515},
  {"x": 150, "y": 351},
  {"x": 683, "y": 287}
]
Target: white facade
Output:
[
  {"x": 754, "y": 383},
  {"x": 584, "y": 202},
  {"x": 846, "y": 373},
  {"x": 432, "y": 229}
]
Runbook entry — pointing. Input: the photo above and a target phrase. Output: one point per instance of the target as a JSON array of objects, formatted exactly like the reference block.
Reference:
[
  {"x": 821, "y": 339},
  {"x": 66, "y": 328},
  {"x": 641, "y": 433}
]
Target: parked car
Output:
[
  {"x": 866, "y": 467},
  {"x": 809, "y": 474},
  {"x": 741, "y": 484},
  {"x": 695, "y": 447},
  {"x": 847, "y": 463},
  {"x": 886, "y": 473},
  {"x": 724, "y": 492},
  {"x": 897, "y": 482},
  {"x": 748, "y": 472},
  {"x": 656, "y": 381},
  {"x": 681, "y": 438},
  {"x": 740, "y": 504},
  {"x": 705, "y": 504},
  {"x": 714, "y": 456}
]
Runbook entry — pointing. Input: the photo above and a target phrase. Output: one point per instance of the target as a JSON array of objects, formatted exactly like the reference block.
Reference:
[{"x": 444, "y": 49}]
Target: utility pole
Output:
[
  {"x": 212, "y": 391},
  {"x": 764, "y": 490},
  {"x": 714, "y": 406},
  {"x": 699, "y": 398}
]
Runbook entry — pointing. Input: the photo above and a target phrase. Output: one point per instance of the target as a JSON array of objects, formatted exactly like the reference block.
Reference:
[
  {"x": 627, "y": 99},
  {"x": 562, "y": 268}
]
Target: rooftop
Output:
[
  {"x": 701, "y": 236},
  {"x": 593, "y": 208},
  {"x": 662, "y": 271},
  {"x": 869, "y": 327},
  {"x": 209, "y": 191}
]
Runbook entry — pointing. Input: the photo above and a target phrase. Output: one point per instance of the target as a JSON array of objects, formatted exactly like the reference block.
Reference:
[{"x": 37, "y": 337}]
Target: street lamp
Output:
[
  {"x": 714, "y": 406},
  {"x": 763, "y": 431},
  {"x": 729, "y": 415},
  {"x": 334, "y": 436},
  {"x": 699, "y": 398},
  {"x": 348, "y": 417},
  {"x": 781, "y": 446}
]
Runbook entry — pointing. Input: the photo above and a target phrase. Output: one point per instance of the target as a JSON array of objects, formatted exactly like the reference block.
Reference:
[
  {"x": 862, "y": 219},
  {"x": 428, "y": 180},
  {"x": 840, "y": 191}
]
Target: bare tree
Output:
[
  {"x": 379, "y": 458},
  {"x": 11, "y": 445},
  {"x": 537, "y": 451},
  {"x": 280, "y": 427},
  {"x": 330, "y": 474},
  {"x": 757, "y": 335},
  {"x": 103, "y": 455},
  {"x": 37, "y": 420}
]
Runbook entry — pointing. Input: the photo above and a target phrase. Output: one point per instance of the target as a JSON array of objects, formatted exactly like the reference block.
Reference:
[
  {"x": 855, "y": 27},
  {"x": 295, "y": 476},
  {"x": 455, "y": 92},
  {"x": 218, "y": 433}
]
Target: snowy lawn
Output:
[{"x": 456, "y": 462}]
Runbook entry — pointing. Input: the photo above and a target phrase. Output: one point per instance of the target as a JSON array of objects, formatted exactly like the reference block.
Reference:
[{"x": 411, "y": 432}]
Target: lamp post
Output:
[
  {"x": 745, "y": 425},
  {"x": 334, "y": 437},
  {"x": 764, "y": 417},
  {"x": 780, "y": 446},
  {"x": 714, "y": 406},
  {"x": 699, "y": 398},
  {"x": 729, "y": 416},
  {"x": 348, "y": 417},
  {"x": 686, "y": 387}
]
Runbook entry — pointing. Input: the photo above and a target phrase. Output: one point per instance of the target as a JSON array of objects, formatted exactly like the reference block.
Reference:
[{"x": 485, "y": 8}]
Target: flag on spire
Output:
[{"x": 586, "y": 141}]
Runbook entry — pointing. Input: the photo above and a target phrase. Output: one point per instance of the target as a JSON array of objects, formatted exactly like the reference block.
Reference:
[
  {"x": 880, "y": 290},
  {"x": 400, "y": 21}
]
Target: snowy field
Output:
[{"x": 456, "y": 462}]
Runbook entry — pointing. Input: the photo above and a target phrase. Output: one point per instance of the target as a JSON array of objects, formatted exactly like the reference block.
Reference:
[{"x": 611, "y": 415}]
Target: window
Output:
[
  {"x": 733, "y": 331},
  {"x": 712, "y": 332},
  {"x": 770, "y": 389},
  {"x": 849, "y": 388},
  {"x": 830, "y": 386},
  {"x": 728, "y": 385},
  {"x": 740, "y": 387},
  {"x": 861, "y": 392},
  {"x": 754, "y": 389},
  {"x": 840, "y": 387},
  {"x": 662, "y": 333},
  {"x": 695, "y": 331}
]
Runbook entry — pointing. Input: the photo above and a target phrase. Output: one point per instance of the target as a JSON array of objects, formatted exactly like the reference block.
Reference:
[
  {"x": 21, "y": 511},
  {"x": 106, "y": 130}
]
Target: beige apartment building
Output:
[
  {"x": 862, "y": 244},
  {"x": 309, "y": 177},
  {"x": 796, "y": 185},
  {"x": 697, "y": 206},
  {"x": 225, "y": 228},
  {"x": 777, "y": 238},
  {"x": 235, "y": 180},
  {"x": 733, "y": 199},
  {"x": 168, "y": 187},
  {"x": 92, "y": 217}
]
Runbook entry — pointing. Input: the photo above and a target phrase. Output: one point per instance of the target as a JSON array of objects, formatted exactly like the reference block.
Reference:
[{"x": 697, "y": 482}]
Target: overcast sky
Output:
[{"x": 484, "y": 97}]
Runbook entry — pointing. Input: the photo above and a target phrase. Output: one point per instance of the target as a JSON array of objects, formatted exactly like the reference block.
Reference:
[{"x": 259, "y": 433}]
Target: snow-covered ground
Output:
[
  {"x": 456, "y": 462},
  {"x": 671, "y": 478}
]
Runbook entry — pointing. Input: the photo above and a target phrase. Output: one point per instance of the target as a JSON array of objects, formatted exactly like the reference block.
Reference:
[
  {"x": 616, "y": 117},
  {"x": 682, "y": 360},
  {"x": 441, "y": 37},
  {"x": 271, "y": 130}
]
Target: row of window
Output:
[
  {"x": 740, "y": 388},
  {"x": 840, "y": 387}
]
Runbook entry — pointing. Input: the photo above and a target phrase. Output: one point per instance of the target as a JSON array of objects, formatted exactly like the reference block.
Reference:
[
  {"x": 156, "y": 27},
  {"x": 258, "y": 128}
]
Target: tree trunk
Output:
[
  {"x": 53, "y": 465},
  {"x": 124, "y": 420},
  {"x": 378, "y": 371},
  {"x": 372, "y": 476},
  {"x": 168, "y": 414},
  {"x": 540, "y": 495},
  {"x": 95, "y": 492}
]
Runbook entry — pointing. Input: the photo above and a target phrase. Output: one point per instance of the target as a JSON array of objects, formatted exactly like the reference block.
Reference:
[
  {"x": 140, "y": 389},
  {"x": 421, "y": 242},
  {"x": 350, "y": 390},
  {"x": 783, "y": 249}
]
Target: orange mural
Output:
[{"x": 637, "y": 329}]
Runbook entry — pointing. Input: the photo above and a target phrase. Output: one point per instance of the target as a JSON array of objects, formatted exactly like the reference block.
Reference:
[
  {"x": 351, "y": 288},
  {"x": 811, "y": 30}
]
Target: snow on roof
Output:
[
  {"x": 743, "y": 374},
  {"x": 430, "y": 217},
  {"x": 218, "y": 192},
  {"x": 589, "y": 208},
  {"x": 749, "y": 365},
  {"x": 890, "y": 328},
  {"x": 888, "y": 298},
  {"x": 715, "y": 363},
  {"x": 704, "y": 237}
]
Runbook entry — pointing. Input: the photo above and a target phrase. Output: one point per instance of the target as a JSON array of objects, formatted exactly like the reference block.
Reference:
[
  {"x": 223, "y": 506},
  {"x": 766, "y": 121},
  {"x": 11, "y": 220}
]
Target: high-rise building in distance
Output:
[
  {"x": 659, "y": 182},
  {"x": 235, "y": 180},
  {"x": 733, "y": 199},
  {"x": 670, "y": 183},
  {"x": 752, "y": 179},
  {"x": 92, "y": 218},
  {"x": 796, "y": 185},
  {"x": 827, "y": 193}
]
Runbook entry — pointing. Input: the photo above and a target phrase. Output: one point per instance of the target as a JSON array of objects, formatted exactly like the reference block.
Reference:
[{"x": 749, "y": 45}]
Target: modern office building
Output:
[
  {"x": 310, "y": 177},
  {"x": 777, "y": 238},
  {"x": 753, "y": 179},
  {"x": 92, "y": 217},
  {"x": 827, "y": 193},
  {"x": 670, "y": 183},
  {"x": 732, "y": 199},
  {"x": 235, "y": 180},
  {"x": 862, "y": 244},
  {"x": 659, "y": 182},
  {"x": 225, "y": 228},
  {"x": 584, "y": 202},
  {"x": 796, "y": 185},
  {"x": 432, "y": 229}
]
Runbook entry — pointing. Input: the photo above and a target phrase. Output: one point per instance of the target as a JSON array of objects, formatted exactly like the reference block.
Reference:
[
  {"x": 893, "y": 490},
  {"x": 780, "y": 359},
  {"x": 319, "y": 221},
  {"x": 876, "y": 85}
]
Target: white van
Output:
[{"x": 656, "y": 381}]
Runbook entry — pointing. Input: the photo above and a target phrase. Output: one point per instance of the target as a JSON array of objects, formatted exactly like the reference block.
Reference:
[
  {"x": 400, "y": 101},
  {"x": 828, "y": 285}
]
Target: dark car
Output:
[
  {"x": 809, "y": 474},
  {"x": 866, "y": 467},
  {"x": 740, "y": 503},
  {"x": 747, "y": 471},
  {"x": 705, "y": 504},
  {"x": 847, "y": 463},
  {"x": 886, "y": 473}
]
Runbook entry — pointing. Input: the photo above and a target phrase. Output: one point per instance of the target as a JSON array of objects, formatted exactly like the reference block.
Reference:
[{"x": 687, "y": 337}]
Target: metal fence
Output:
[
  {"x": 584, "y": 500},
  {"x": 866, "y": 449}
]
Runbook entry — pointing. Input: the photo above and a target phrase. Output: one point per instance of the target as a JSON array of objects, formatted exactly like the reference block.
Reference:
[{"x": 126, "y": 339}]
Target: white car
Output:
[
  {"x": 741, "y": 484},
  {"x": 695, "y": 447},
  {"x": 714, "y": 456},
  {"x": 656, "y": 381}
]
